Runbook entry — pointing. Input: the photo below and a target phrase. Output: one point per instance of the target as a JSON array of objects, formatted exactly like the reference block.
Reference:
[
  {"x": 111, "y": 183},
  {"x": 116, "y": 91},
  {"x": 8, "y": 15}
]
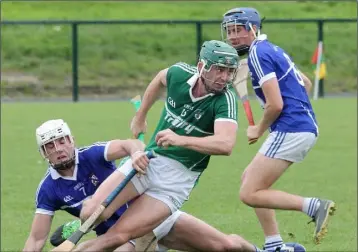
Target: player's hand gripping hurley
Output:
[{"x": 71, "y": 242}]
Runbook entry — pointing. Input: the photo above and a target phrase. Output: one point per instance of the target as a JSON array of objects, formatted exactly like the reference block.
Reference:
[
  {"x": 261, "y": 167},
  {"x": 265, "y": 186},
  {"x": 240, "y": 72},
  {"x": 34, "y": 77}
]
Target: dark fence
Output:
[{"x": 197, "y": 23}]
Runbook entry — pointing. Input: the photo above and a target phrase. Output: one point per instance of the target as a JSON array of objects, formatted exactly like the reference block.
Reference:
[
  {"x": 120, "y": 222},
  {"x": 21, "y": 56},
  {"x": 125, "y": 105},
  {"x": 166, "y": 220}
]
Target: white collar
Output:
[
  {"x": 191, "y": 83},
  {"x": 193, "y": 79},
  {"x": 55, "y": 175},
  {"x": 261, "y": 37}
]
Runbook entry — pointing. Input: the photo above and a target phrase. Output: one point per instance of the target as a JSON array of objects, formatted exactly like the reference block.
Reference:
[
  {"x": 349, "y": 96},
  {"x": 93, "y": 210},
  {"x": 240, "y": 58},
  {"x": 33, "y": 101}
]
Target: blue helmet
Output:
[
  {"x": 242, "y": 16},
  {"x": 247, "y": 17}
]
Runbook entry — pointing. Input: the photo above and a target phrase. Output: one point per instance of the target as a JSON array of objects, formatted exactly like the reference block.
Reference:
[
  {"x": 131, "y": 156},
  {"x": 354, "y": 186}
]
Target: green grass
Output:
[
  {"x": 330, "y": 170},
  {"x": 120, "y": 59}
]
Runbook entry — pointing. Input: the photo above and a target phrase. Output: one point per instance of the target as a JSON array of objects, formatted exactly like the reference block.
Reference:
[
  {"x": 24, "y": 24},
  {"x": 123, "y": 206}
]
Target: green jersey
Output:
[{"x": 191, "y": 116}]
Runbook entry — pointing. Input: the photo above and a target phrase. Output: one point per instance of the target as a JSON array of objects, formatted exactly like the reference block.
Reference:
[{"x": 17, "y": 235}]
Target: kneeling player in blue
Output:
[
  {"x": 73, "y": 176},
  {"x": 288, "y": 115}
]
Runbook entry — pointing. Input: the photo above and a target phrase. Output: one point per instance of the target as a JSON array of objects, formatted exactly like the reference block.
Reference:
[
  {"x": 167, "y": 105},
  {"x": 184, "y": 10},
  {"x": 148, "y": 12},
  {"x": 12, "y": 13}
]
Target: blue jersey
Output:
[
  {"x": 267, "y": 61},
  {"x": 67, "y": 193}
]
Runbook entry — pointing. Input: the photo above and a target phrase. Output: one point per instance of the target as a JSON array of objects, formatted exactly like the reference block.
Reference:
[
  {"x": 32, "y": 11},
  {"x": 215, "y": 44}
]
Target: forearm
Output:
[
  {"x": 269, "y": 116},
  {"x": 211, "y": 145},
  {"x": 33, "y": 244},
  {"x": 133, "y": 145},
  {"x": 150, "y": 96}
]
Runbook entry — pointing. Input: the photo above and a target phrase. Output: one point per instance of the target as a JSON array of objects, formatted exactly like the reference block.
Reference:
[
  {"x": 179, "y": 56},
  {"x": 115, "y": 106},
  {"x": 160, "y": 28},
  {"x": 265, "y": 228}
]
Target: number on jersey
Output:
[{"x": 295, "y": 70}]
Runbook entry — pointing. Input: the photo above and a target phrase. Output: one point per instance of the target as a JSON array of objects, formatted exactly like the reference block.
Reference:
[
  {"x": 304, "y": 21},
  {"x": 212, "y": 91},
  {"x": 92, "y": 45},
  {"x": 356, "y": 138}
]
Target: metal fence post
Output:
[
  {"x": 199, "y": 36},
  {"x": 198, "y": 39},
  {"x": 75, "y": 62},
  {"x": 320, "y": 38}
]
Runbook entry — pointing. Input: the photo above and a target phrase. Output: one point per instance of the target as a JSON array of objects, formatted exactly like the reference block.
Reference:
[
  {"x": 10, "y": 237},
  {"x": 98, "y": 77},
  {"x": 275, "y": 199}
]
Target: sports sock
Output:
[
  {"x": 310, "y": 206},
  {"x": 272, "y": 242}
]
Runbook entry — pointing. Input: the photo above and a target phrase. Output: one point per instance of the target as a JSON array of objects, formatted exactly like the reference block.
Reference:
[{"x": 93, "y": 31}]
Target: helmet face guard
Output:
[
  {"x": 246, "y": 17},
  {"x": 220, "y": 63},
  {"x": 217, "y": 75},
  {"x": 56, "y": 145},
  {"x": 60, "y": 153}
]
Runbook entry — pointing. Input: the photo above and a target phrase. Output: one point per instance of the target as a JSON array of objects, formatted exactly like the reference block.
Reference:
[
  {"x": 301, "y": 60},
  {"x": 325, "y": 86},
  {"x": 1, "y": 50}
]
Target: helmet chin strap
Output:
[
  {"x": 244, "y": 49},
  {"x": 252, "y": 29},
  {"x": 65, "y": 165}
]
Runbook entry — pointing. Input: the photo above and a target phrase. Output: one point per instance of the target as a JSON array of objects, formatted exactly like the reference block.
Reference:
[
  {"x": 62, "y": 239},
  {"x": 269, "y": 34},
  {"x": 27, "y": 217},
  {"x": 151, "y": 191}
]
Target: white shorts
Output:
[
  {"x": 166, "y": 180},
  {"x": 288, "y": 146},
  {"x": 164, "y": 228}
]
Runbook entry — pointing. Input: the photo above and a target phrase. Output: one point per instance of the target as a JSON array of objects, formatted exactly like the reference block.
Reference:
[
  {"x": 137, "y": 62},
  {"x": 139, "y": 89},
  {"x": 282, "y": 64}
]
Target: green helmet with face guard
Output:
[
  {"x": 218, "y": 53},
  {"x": 218, "y": 57}
]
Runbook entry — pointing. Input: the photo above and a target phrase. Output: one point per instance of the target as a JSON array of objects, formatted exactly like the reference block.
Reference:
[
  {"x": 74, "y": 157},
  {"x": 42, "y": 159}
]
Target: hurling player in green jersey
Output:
[{"x": 199, "y": 119}]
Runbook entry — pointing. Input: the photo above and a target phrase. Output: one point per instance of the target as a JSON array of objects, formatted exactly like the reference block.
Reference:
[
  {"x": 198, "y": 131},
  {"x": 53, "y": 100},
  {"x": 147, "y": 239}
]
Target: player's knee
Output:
[
  {"x": 243, "y": 196},
  {"x": 247, "y": 197}
]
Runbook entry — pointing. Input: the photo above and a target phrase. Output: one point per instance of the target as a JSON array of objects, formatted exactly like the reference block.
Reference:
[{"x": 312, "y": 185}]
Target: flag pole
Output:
[{"x": 318, "y": 66}]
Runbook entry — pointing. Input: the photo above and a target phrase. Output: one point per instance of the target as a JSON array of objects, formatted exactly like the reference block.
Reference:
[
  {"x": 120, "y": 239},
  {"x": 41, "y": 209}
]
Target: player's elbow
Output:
[
  {"x": 226, "y": 147},
  {"x": 308, "y": 86},
  {"x": 307, "y": 82},
  {"x": 276, "y": 107},
  {"x": 226, "y": 152}
]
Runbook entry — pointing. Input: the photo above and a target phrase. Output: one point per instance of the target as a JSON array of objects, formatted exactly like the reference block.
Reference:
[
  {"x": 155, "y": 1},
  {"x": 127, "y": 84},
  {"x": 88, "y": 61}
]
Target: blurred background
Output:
[{"x": 55, "y": 57}]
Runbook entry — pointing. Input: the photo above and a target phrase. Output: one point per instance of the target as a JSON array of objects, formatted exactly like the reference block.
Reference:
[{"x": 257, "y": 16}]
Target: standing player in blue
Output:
[
  {"x": 289, "y": 117},
  {"x": 74, "y": 175}
]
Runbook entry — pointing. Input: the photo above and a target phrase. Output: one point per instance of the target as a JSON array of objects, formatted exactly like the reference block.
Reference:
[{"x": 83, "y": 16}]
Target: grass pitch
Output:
[{"x": 330, "y": 171}]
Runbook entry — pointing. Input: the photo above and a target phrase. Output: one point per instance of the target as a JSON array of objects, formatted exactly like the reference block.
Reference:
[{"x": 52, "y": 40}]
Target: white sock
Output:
[
  {"x": 273, "y": 241},
  {"x": 310, "y": 206}
]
